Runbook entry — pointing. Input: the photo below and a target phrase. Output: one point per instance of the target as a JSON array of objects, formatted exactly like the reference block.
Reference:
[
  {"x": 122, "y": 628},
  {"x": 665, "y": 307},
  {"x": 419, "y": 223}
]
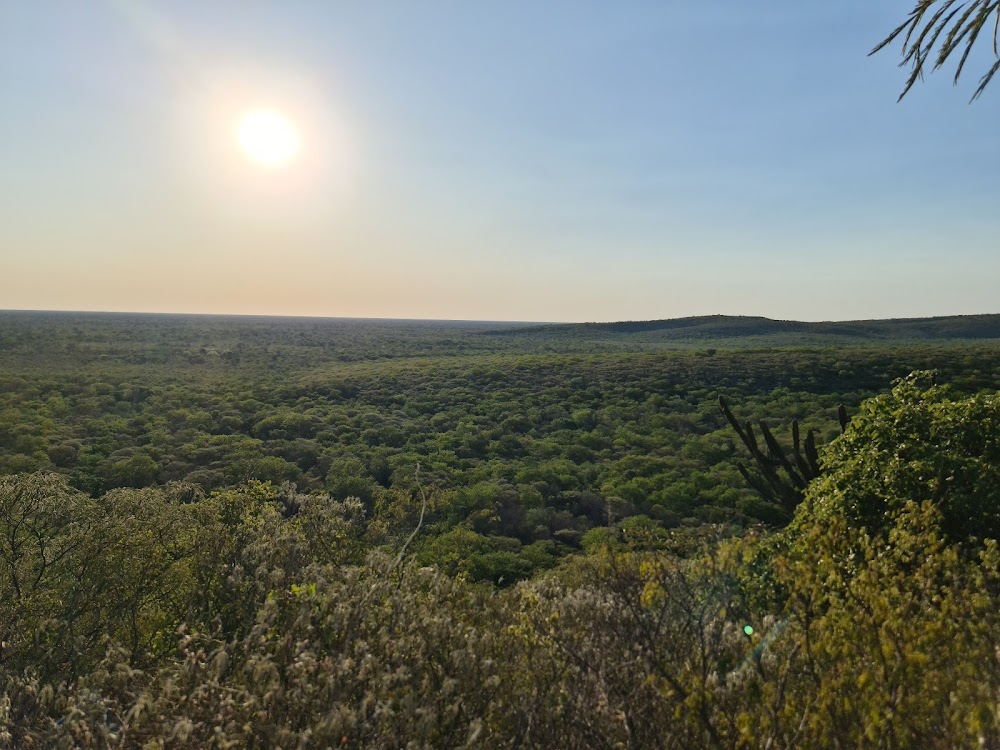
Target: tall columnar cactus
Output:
[{"x": 780, "y": 478}]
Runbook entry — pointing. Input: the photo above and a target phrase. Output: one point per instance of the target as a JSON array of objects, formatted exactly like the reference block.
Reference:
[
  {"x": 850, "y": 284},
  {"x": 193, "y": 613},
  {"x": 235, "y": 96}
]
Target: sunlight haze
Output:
[{"x": 565, "y": 161}]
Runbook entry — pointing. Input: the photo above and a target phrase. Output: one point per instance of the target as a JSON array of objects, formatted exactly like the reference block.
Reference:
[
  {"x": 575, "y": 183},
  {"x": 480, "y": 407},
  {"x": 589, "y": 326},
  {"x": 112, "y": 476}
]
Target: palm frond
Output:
[{"x": 936, "y": 29}]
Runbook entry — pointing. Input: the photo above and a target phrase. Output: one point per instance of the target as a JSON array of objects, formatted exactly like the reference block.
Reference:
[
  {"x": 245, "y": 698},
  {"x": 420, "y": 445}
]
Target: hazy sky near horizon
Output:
[{"x": 564, "y": 160}]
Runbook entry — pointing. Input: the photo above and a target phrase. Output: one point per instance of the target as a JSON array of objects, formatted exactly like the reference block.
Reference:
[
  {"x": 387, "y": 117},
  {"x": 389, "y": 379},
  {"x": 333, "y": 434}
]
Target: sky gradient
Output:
[{"x": 515, "y": 160}]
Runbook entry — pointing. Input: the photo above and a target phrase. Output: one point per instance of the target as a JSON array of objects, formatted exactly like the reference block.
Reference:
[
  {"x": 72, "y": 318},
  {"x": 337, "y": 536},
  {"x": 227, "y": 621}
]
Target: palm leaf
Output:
[{"x": 937, "y": 29}]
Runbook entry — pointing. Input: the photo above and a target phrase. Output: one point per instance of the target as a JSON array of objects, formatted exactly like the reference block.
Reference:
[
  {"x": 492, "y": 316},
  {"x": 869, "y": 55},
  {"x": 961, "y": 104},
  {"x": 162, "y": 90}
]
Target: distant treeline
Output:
[{"x": 729, "y": 330}]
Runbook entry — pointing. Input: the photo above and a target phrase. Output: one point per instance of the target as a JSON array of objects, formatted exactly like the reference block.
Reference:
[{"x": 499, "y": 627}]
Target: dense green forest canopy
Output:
[
  {"x": 536, "y": 442},
  {"x": 252, "y": 532},
  {"x": 262, "y": 616}
]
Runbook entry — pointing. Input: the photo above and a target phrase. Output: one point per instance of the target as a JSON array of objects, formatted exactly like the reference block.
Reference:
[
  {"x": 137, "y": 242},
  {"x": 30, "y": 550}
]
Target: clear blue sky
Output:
[{"x": 500, "y": 160}]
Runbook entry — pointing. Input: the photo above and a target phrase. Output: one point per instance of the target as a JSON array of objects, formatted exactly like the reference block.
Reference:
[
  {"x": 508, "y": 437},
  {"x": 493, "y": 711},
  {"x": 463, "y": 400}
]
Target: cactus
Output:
[{"x": 780, "y": 478}]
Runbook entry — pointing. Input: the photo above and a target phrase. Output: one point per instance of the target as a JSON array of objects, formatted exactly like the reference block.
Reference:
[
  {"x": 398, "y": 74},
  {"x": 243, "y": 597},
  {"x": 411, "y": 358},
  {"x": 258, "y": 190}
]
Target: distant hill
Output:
[{"x": 758, "y": 330}]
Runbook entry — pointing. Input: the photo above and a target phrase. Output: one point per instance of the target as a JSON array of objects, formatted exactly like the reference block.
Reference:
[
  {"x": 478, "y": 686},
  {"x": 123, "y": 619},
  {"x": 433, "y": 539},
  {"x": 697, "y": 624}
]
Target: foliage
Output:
[
  {"x": 77, "y": 571},
  {"x": 937, "y": 29},
  {"x": 575, "y": 565},
  {"x": 532, "y": 439},
  {"x": 917, "y": 444},
  {"x": 887, "y": 641},
  {"x": 260, "y": 616}
]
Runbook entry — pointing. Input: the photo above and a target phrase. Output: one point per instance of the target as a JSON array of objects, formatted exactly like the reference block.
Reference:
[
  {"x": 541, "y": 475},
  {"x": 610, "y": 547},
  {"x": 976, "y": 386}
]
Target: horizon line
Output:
[{"x": 471, "y": 320}]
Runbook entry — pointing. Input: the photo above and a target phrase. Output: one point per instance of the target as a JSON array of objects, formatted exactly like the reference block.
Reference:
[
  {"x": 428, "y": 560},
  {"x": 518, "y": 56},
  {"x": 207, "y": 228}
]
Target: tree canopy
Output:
[
  {"x": 262, "y": 616},
  {"x": 916, "y": 444}
]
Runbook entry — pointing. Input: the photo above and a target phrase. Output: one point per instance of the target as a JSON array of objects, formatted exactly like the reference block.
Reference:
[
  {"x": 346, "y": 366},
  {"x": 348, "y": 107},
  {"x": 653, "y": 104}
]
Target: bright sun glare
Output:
[{"x": 268, "y": 138}]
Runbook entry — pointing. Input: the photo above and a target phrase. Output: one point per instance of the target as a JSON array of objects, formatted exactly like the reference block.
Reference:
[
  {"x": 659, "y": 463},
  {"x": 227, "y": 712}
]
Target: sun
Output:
[{"x": 268, "y": 138}]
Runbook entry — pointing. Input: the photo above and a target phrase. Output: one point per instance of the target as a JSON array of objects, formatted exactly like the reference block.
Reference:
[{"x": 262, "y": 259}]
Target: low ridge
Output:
[{"x": 738, "y": 327}]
